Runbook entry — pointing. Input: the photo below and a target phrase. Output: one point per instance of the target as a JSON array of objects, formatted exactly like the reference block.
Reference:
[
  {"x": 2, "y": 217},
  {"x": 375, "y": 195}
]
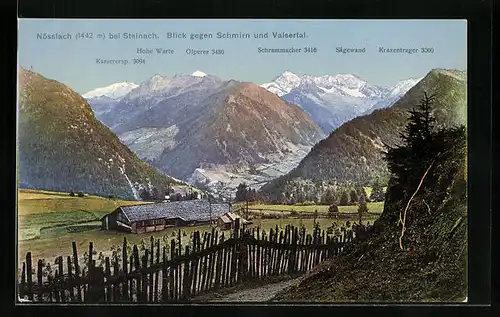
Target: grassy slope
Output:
[
  {"x": 45, "y": 216},
  {"x": 432, "y": 266},
  {"x": 63, "y": 147},
  {"x": 375, "y": 207},
  {"x": 45, "y": 209}
]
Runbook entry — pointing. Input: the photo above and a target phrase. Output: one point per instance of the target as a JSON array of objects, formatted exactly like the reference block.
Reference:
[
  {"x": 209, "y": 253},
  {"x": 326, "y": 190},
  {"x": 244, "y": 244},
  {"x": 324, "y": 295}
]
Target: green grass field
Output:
[
  {"x": 48, "y": 223},
  {"x": 40, "y": 211},
  {"x": 376, "y": 207}
]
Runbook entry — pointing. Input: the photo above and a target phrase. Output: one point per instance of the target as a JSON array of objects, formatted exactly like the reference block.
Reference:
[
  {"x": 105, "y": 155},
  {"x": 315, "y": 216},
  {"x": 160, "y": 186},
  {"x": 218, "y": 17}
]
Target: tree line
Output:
[
  {"x": 154, "y": 194},
  {"x": 305, "y": 194}
]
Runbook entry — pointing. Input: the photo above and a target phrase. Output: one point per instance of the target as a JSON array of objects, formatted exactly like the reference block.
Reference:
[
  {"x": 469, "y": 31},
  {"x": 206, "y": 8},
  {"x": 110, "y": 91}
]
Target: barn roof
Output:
[
  {"x": 231, "y": 216},
  {"x": 187, "y": 210}
]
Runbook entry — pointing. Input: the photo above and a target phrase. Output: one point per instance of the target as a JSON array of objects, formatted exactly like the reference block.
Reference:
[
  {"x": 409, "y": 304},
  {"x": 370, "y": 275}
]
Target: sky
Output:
[{"x": 73, "y": 62}]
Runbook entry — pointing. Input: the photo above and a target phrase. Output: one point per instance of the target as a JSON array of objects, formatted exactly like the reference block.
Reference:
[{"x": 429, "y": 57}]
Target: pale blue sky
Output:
[{"x": 73, "y": 61}]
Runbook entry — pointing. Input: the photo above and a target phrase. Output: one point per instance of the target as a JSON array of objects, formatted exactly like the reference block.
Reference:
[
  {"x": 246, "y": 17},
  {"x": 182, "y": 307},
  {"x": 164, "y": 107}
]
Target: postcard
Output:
[{"x": 241, "y": 161}]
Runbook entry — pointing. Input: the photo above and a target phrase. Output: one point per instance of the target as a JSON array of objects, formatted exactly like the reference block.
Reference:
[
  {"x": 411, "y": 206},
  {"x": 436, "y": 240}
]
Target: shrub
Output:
[
  {"x": 306, "y": 203},
  {"x": 72, "y": 193},
  {"x": 333, "y": 208},
  {"x": 81, "y": 194}
]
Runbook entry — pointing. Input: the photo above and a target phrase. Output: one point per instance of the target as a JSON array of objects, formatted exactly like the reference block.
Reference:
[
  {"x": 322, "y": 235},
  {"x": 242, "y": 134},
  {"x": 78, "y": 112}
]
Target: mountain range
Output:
[
  {"x": 63, "y": 147},
  {"x": 354, "y": 151},
  {"x": 200, "y": 128},
  {"x": 209, "y": 131},
  {"x": 150, "y": 119},
  {"x": 332, "y": 100}
]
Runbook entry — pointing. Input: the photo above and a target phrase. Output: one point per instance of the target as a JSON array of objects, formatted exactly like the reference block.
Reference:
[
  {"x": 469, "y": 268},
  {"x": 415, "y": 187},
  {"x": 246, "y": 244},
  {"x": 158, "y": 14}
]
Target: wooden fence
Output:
[{"x": 171, "y": 274}]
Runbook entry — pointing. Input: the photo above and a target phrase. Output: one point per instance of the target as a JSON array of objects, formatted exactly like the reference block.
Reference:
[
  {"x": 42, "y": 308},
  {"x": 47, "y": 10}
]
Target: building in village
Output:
[
  {"x": 159, "y": 216},
  {"x": 227, "y": 220}
]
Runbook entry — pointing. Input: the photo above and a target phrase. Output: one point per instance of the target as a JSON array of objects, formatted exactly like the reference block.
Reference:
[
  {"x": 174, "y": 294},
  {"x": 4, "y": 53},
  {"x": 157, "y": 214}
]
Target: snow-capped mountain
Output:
[
  {"x": 103, "y": 99},
  {"x": 332, "y": 100},
  {"x": 112, "y": 91},
  {"x": 198, "y": 74},
  {"x": 283, "y": 84},
  {"x": 188, "y": 124},
  {"x": 403, "y": 86},
  {"x": 111, "y": 111},
  {"x": 159, "y": 87},
  {"x": 154, "y": 84},
  {"x": 397, "y": 91}
]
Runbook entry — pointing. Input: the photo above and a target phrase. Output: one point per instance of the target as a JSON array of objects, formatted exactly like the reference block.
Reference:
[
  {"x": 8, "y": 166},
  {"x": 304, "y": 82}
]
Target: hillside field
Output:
[
  {"x": 375, "y": 207},
  {"x": 48, "y": 223}
]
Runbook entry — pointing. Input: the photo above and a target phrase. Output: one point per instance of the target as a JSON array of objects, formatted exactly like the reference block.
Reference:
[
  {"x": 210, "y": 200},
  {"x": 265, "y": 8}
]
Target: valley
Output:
[
  {"x": 152, "y": 119},
  {"x": 48, "y": 222},
  {"x": 228, "y": 141},
  {"x": 275, "y": 161}
]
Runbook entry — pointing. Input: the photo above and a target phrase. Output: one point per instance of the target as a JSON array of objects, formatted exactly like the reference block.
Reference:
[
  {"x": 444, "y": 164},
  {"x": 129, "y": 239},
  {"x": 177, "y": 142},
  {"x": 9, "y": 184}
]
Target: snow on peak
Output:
[
  {"x": 346, "y": 84},
  {"x": 198, "y": 74},
  {"x": 288, "y": 74},
  {"x": 403, "y": 86},
  {"x": 283, "y": 84},
  {"x": 156, "y": 83},
  {"x": 113, "y": 91}
]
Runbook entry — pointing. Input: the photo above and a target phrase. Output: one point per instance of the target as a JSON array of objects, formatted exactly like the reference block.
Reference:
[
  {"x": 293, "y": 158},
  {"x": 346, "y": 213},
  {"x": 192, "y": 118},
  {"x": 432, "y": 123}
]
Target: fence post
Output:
[
  {"x": 237, "y": 260},
  {"x": 70, "y": 280},
  {"x": 108, "y": 278},
  {"x": 77, "y": 273},
  {"x": 39, "y": 278},
  {"x": 23, "y": 282},
  {"x": 96, "y": 289},
  {"x": 91, "y": 253},
  {"x": 125, "y": 271},
  {"x": 29, "y": 277},
  {"x": 171, "y": 270},
  {"x": 291, "y": 267},
  {"x": 157, "y": 274},
  {"x": 60, "y": 280},
  {"x": 150, "y": 276},
  {"x": 186, "y": 280}
]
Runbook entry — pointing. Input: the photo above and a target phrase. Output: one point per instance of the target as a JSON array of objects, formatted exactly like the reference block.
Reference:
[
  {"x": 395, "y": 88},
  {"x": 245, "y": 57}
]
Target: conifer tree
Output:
[
  {"x": 328, "y": 197},
  {"x": 377, "y": 193},
  {"x": 362, "y": 208},
  {"x": 242, "y": 192},
  {"x": 144, "y": 194},
  {"x": 363, "y": 192},
  {"x": 354, "y": 197},
  {"x": 409, "y": 161},
  {"x": 344, "y": 199}
]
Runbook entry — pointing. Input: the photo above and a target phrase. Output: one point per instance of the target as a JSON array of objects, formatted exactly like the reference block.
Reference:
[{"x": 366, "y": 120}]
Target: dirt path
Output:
[{"x": 261, "y": 293}]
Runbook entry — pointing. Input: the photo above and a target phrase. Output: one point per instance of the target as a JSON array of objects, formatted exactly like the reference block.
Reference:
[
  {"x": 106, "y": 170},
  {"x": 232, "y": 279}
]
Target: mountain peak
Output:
[
  {"x": 288, "y": 73},
  {"x": 113, "y": 91},
  {"x": 457, "y": 74},
  {"x": 198, "y": 74}
]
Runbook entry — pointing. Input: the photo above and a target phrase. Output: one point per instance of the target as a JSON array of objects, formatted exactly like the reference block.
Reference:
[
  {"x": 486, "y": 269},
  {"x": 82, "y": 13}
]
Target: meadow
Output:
[
  {"x": 48, "y": 223},
  {"x": 373, "y": 207}
]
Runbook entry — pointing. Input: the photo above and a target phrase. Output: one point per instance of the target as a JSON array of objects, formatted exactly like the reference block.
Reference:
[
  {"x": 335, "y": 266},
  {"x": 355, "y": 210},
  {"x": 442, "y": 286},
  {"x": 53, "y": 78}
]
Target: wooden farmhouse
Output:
[
  {"x": 227, "y": 220},
  {"x": 159, "y": 216}
]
